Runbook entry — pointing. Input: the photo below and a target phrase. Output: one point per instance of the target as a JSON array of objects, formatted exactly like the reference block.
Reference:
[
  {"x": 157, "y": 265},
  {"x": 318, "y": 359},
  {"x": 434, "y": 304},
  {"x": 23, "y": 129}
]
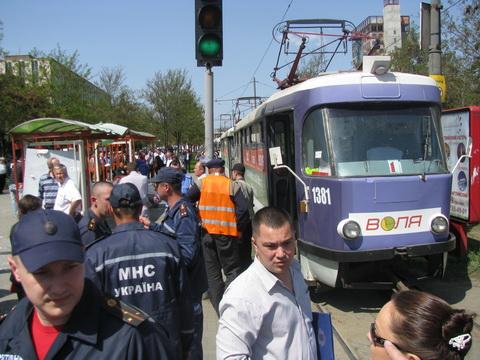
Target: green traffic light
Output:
[{"x": 209, "y": 45}]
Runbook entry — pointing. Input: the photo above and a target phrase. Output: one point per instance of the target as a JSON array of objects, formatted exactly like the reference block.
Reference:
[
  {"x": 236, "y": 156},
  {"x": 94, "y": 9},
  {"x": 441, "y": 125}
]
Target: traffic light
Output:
[{"x": 208, "y": 32}]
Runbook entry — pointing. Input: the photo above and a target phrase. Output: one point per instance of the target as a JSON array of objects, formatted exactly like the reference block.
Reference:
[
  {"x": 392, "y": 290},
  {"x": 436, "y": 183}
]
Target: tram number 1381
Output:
[{"x": 321, "y": 195}]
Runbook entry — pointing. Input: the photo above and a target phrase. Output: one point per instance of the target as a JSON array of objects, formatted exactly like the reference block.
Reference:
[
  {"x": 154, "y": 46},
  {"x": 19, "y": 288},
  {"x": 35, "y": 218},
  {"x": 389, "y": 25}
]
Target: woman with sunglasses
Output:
[{"x": 419, "y": 326}]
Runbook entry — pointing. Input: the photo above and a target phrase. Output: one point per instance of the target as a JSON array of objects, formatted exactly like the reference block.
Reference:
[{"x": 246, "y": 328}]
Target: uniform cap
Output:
[
  {"x": 216, "y": 163},
  {"x": 168, "y": 175},
  {"x": 44, "y": 236},
  {"x": 239, "y": 167},
  {"x": 125, "y": 196}
]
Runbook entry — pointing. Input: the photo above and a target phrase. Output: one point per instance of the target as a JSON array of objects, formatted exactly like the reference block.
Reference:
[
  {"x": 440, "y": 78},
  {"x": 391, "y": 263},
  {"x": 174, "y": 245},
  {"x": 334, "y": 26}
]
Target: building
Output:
[
  {"x": 380, "y": 35},
  {"x": 41, "y": 71}
]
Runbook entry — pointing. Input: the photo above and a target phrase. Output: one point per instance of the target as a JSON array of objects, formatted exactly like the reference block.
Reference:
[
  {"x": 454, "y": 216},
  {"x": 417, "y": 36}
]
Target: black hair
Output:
[
  {"x": 28, "y": 203},
  {"x": 272, "y": 217},
  {"x": 424, "y": 324}
]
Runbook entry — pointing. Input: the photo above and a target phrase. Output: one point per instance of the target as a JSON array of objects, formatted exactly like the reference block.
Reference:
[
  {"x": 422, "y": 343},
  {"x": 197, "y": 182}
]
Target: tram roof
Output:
[
  {"x": 351, "y": 77},
  {"x": 227, "y": 133},
  {"x": 49, "y": 126}
]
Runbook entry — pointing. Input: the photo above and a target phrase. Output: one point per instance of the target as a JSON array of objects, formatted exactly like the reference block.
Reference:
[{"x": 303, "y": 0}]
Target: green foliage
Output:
[
  {"x": 176, "y": 107},
  {"x": 410, "y": 58},
  {"x": 20, "y": 102}
]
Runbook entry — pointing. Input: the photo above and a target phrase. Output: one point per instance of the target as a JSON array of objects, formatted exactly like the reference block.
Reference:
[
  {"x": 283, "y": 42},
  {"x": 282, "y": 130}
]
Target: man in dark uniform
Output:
[
  {"x": 182, "y": 221},
  {"x": 93, "y": 224},
  {"x": 143, "y": 268},
  {"x": 63, "y": 315}
]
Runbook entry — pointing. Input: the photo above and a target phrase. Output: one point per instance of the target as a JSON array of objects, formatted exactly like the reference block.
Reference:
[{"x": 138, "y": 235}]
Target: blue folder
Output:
[{"x": 322, "y": 325}]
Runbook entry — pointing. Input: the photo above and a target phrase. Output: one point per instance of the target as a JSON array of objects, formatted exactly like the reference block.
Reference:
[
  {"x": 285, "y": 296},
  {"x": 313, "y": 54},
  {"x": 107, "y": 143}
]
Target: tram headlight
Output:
[
  {"x": 439, "y": 224},
  {"x": 349, "y": 229}
]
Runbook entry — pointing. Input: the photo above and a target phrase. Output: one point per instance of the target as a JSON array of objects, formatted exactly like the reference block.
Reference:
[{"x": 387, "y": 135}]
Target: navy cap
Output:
[
  {"x": 44, "y": 236},
  {"x": 168, "y": 175},
  {"x": 216, "y": 163},
  {"x": 239, "y": 167},
  {"x": 125, "y": 195}
]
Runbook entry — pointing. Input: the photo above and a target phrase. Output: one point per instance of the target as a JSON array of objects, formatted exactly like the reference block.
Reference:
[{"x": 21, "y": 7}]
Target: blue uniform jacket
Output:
[
  {"x": 182, "y": 221},
  {"x": 95, "y": 330},
  {"x": 143, "y": 268},
  {"x": 92, "y": 228}
]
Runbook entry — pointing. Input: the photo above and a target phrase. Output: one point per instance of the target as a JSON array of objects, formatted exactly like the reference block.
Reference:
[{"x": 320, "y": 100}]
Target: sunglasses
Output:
[{"x": 377, "y": 340}]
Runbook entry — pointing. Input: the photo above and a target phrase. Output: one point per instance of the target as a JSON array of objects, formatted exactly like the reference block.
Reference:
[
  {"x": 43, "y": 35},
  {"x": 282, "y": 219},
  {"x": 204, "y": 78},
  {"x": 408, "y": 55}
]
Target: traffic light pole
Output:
[{"x": 208, "y": 101}]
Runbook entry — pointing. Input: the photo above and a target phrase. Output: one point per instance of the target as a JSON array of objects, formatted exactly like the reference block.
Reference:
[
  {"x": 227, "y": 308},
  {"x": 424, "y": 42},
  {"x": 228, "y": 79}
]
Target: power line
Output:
[{"x": 444, "y": 11}]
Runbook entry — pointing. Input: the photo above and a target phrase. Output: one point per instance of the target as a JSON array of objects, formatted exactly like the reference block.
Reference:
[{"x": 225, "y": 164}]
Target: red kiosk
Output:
[{"x": 461, "y": 134}]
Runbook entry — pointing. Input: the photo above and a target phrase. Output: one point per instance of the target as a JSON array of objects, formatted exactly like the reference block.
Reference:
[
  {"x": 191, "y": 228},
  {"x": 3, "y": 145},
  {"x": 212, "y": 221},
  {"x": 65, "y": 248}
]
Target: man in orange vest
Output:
[{"x": 224, "y": 213}]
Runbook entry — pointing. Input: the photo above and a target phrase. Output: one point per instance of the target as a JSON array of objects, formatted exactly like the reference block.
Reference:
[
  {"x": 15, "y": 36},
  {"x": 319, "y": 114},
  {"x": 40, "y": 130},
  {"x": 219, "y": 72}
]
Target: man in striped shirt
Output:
[{"x": 47, "y": 186}]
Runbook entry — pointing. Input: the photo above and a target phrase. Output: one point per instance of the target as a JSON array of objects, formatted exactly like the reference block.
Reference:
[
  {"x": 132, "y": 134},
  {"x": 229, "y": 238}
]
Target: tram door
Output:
[{"x": 281, "y": 182}]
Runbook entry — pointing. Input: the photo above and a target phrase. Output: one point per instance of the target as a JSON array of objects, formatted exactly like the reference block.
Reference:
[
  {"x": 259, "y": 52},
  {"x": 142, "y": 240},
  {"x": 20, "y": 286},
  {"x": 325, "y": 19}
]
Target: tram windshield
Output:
[{"x": 382, "y": 140}]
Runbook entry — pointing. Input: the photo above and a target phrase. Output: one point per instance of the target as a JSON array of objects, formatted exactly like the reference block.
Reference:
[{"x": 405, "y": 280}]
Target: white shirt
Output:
[
  {"x": 261, "y": 319},
  {"x": 67, "y": 193}
]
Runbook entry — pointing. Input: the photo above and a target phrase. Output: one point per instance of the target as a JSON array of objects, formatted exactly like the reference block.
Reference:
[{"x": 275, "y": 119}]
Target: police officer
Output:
[
  {"x": 143, "y": 268},
  {"x": 63, "y": 315},
  {"x": 93, "y": 224},
  {"x": 182, "y": 221}
]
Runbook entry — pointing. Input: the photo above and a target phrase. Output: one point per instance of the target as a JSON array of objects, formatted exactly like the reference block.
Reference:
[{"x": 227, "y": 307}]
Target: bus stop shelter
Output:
[{"x": 73, "y": 142}]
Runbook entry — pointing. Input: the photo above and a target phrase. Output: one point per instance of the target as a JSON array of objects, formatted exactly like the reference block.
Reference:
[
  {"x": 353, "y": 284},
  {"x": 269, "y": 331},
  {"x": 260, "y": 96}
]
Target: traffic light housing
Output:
[{"x": 208, "y": 32}]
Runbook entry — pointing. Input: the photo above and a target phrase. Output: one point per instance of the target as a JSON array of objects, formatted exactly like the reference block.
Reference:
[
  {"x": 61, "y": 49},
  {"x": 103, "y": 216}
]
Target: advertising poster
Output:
[{"x": 456, "y": 131}]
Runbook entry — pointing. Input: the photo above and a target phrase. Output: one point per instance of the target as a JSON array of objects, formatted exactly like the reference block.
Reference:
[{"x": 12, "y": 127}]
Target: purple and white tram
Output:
[{"x": 368, "y": 153}]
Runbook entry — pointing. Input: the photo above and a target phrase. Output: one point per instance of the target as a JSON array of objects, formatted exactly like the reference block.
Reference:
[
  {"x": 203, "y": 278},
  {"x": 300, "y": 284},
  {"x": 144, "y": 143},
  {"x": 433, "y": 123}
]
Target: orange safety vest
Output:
[{"x": 217, "y": 210}]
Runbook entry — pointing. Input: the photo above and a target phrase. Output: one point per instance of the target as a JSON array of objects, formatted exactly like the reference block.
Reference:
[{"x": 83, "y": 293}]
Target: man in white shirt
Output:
[
  {"x": 265, "y": 312},
  {"x": 141, "y": 182},
  {"x": 68, "y": 198}
]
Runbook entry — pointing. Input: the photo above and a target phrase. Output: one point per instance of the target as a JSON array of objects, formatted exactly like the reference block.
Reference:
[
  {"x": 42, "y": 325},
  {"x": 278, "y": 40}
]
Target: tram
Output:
[{"x": 362, "y": 171}]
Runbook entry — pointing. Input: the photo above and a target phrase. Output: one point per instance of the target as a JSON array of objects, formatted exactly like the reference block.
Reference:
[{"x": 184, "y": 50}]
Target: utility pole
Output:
[
  {"x": 208, "y": 91},
  {"x": 435, "y": 48}
]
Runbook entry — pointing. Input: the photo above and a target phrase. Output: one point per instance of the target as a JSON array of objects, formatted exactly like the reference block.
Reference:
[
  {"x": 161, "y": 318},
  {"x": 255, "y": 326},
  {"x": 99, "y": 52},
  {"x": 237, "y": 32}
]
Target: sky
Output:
[{"x": 144, "y": 37}]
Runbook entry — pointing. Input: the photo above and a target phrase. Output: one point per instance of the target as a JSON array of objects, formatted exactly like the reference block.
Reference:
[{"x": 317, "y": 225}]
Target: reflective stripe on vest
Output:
[{"x": 216, "y": 207}]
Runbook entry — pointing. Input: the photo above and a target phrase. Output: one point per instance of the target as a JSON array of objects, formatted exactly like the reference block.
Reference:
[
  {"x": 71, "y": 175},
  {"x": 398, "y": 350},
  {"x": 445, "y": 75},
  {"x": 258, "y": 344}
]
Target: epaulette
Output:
[
  {"x": 4, "y": 315},
  {"x": 183, "y": 210},
  {"x": 128, "y": 313},
  {"x": 95, "y": 241},
  {"x": 92, "y": 225}
]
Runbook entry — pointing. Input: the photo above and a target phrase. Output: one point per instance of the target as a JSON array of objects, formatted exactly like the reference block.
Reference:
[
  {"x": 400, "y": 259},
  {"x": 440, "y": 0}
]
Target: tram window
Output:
[
  {"x": 315, "y": 159},
  {"x": 385, "y": 140}
]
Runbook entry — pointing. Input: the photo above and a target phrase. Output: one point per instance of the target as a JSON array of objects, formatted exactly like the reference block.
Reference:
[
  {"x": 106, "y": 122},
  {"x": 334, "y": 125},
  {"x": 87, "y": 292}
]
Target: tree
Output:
[
  {"x": 176, "y": 107},
  {"x": 410, "y": 58},
  {"x": 112, "y": 80},
  {"x": 312, "y": 67},
  {"x": 461, "y": 45}
]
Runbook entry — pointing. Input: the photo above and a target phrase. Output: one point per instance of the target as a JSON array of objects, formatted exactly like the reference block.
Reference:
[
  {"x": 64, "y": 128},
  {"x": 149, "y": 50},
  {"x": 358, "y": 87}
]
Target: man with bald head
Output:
[
  {"x": 47, "y": 186},
  {"x": 93, "y": 224}
]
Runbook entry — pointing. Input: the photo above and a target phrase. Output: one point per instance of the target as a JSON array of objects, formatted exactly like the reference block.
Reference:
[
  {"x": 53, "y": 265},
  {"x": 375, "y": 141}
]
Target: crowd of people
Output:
[{"x": 116, "y": 283}]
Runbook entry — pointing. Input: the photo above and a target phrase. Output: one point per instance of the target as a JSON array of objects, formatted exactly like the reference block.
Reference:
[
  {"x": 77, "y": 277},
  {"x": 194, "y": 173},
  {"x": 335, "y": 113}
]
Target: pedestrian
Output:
[
  {"x": 199, "y": 171},
  {"x": 141, "y": 164},
  {"x": 141, "y": 182},
  {"x": 94, "y": 224},
  {"x": 266, "y": 312},
  {"x": 181, "y": 220},
  {"x": 143, "y": 268},
  {"x": 187, "y": 180},
  {"x": 48, "y": 186},
  {"x": 25, "y": 205},
  {"x": 223, "y": 211},
  {"x": 3, "y": 174},
  {"x": 68, "y": 198},
  {"x": 15, "y": 185},
  {"x": 238, "y": 173},
  {"x": 63, "y": 316},
  {"x": 415, "y": 325}
]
